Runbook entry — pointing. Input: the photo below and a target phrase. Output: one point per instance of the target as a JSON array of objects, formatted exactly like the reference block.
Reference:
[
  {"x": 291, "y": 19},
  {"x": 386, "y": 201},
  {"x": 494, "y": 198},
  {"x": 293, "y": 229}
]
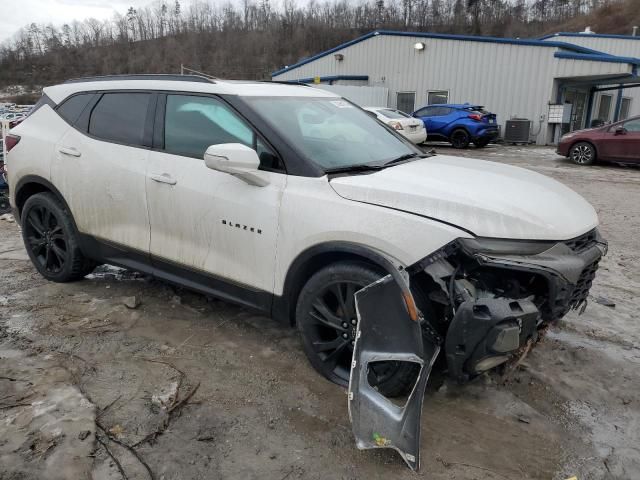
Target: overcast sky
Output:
[{"x": 15, "y": 14}]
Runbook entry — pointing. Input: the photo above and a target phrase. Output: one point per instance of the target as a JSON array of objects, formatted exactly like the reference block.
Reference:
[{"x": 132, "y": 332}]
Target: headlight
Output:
[
  {"x": 500, "y": 246},
  {"x": 567, "y": 135}
]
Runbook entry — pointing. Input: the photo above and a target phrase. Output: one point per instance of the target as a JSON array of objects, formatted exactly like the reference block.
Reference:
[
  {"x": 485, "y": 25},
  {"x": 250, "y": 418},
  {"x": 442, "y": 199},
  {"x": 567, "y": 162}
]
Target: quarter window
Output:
[
  {"x": 120, "y": 117},
  {"x": 71, "y": 108}
]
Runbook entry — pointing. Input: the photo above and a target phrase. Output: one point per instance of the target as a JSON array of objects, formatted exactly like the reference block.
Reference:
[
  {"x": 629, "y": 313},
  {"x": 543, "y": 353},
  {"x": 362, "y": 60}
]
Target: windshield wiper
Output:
[
  {"x": 403, "y": 158},
  {"x": 355, "y": 168}
]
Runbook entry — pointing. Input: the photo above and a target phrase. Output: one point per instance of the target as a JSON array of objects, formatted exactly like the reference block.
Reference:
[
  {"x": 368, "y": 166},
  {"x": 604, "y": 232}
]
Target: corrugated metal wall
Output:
[
  {"x": 363, "y": 96},
  {"x": 508, "y": 79},
  {"x": 624, "y": 47}
]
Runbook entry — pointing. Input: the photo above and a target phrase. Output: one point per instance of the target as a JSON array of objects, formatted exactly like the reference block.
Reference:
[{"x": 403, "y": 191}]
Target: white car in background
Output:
[{"x": 411, "y": 128}]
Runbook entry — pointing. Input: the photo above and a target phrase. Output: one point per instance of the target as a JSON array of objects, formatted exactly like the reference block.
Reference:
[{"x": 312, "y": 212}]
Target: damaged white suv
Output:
[{"x": 290, "y": 200}]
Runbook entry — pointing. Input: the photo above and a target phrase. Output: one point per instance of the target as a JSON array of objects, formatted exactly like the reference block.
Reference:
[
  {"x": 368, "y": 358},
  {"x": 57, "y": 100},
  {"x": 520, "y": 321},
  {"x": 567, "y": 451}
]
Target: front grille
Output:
[{"x": 583, "y": 242}]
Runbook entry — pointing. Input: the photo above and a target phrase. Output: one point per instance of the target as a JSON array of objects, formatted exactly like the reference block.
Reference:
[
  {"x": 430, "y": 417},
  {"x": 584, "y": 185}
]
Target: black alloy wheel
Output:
[
  {"x": 46, "y": 239},
  {"x": 51, "y": 240},
  {"x": 327, "y": 319},
  {"x": 460, "y": 138}
]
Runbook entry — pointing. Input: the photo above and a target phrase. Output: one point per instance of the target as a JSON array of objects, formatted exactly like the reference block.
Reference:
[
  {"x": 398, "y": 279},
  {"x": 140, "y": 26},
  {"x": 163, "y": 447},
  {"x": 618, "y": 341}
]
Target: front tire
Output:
[
  {"x": 583, "y": 153},
  {"x": 326, "y": 319},
  {"x": 460, "y": 138},
  {"x": 51, "y": 240}
]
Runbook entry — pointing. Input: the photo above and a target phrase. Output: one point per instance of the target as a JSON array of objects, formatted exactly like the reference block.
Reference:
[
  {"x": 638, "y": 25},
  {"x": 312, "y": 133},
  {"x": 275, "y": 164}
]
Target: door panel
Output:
[
  {"x": 104, "y": 182},
  {"x": 624, "y": 146},
  {"x": 204, "y": 219},
  {"x": 212, "y": 221}
]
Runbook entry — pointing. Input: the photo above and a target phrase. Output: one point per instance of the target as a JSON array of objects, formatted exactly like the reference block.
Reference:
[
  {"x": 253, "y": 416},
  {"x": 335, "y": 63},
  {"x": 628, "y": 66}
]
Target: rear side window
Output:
[
  {"x": 71, "y": 108},
  {"x": 120, "y": 117}
]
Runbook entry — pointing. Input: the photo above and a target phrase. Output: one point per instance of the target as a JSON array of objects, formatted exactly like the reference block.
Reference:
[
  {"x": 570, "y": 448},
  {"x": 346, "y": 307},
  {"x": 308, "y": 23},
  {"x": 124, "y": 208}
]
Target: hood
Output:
[{"x": 486, "y": 198}]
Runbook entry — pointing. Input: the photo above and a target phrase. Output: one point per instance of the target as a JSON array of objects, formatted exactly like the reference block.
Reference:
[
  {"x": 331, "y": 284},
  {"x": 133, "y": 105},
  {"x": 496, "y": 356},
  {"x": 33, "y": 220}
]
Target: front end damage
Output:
[{"x": 482, "y": 301}]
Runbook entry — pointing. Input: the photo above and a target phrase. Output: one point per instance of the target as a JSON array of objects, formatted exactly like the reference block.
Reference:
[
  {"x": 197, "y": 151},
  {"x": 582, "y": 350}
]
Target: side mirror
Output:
[
  {"x": 235, "y": 159},
  {"x": 620, "y": 131}
]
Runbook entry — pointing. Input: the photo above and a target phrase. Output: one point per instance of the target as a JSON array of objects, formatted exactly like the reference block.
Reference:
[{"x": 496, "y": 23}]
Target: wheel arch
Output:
[
  {"x": 30, "y": 185},
  {"x": 312, "y": 260}
]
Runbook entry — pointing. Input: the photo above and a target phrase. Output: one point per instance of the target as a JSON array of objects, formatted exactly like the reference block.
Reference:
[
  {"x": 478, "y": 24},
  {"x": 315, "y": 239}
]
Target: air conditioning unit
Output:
[{"x": 517, "y": 130}]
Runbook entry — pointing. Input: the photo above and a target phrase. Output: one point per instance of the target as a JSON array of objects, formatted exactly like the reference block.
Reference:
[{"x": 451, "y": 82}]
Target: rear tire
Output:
[
  {"x": 460, "y": 138},
  {"x": 583, "y": 153},
  {"x": 321, "y": 317},
  {"x": 51, "y": 240}
]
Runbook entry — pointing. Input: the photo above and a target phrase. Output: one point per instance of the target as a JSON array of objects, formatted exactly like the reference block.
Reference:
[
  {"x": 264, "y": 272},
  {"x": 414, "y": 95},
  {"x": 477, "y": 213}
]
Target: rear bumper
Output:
[
  {"x": 490, "y": 134},
  {"x": 418, "y": 136}
]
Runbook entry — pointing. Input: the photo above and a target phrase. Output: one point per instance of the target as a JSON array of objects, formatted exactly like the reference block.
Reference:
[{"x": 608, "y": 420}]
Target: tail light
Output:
[
  {"x": 476, "y": 117},
  {"x": 10, "y": 142},
  {"x": 396, "y": 125}
]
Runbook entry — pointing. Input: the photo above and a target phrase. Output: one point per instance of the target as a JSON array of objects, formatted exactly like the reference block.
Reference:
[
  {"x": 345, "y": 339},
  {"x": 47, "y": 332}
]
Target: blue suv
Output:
[{"x": 459, "y": 124}]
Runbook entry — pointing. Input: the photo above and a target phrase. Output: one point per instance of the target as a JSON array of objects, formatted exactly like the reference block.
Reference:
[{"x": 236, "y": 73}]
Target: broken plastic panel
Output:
[{"x": 386, "y": 332}]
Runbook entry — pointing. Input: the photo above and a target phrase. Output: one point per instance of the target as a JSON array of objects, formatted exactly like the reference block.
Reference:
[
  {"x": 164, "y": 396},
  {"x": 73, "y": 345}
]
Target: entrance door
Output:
[{"x": 578, "y": 98}]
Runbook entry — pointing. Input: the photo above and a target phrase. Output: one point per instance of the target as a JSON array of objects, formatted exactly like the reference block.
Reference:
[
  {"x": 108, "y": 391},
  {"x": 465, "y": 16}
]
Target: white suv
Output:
[{"x": 290, "y": 199}]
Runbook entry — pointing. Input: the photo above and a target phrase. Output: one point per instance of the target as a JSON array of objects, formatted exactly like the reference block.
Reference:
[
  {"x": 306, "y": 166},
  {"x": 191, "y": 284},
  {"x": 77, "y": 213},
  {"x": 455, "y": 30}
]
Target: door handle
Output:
[
  {"x": 69, "y": 151},
  {"x": 163, "y": 178}
]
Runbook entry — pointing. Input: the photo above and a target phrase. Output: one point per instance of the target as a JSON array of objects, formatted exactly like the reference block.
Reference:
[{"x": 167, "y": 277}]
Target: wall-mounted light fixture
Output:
[
  {"x": 339, "y": 57},
  {"x": 420, "y": 46}
]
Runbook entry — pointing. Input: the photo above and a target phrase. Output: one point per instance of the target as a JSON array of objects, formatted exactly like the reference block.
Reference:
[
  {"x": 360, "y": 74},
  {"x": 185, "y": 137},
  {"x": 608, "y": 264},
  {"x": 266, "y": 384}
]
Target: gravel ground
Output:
[{"x": 205, "y": 389}]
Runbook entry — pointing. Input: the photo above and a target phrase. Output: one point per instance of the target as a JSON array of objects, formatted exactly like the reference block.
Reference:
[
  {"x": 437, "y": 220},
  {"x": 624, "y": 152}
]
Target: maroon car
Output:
[{"x": 618, "y": 142}]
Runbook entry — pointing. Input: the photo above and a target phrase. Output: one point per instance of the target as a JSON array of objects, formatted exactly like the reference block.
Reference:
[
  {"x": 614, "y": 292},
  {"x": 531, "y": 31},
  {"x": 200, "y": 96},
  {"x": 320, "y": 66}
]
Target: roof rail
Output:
[{"x": 144, "y": 76}]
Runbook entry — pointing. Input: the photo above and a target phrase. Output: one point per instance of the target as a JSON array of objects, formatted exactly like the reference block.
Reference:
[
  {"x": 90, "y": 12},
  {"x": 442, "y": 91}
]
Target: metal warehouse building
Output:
[{"x": 560, "y": 82}]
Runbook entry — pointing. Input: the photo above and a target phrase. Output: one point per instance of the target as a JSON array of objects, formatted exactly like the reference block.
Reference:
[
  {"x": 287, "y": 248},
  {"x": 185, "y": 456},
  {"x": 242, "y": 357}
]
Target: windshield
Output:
[{"x": 331, "y": 132}]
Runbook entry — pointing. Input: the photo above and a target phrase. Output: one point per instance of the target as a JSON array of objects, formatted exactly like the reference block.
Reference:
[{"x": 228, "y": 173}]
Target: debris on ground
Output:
[
  {"x": 8, "y": 217},
  {"x": 605, "y": 301}
]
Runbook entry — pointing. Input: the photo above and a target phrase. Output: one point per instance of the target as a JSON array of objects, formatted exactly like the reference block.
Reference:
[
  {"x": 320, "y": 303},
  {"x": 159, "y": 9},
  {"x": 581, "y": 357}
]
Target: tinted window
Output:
[
  {"x": 120, "y": 117},
  {"x": 193, "y": 124},
  {"x": 71, "y": 108}
]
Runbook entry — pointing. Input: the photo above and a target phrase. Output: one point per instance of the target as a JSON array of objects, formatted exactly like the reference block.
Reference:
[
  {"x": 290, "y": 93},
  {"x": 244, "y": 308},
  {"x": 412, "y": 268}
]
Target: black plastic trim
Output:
[
  {"x": 27, "y": 179},
  {"x": 284, "y": 306},
  {"x": 107, "y": 252}
]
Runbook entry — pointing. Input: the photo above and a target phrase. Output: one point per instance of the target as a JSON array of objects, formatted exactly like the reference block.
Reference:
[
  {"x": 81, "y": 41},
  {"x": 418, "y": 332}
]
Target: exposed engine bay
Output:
[{"x": 488, "y": 300}]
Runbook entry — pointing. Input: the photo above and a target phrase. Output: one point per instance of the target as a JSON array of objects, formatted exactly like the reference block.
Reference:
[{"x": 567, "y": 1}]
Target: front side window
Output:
[
  {"x": 437, "y": 97},
  {"x": 632, "y": 125},
  {"x": 330, "y": 132},
  {"x": 120, "y": 117},
  {"x": 194, "y": 123}
]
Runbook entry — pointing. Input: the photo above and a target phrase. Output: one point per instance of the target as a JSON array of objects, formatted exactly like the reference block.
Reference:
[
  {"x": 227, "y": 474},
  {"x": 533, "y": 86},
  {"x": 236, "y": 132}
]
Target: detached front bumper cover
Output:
[{"x": 391, "y": 335}]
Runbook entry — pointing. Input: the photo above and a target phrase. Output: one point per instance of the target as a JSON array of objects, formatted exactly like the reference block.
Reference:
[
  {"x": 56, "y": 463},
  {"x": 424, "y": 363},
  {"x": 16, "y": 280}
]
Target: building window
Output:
[
  {"x": 406, "y": 101},
  {"x": 604, "y": 108},
  {"x": 625, "y": 108},
  {"x": 437, "y": 97}
]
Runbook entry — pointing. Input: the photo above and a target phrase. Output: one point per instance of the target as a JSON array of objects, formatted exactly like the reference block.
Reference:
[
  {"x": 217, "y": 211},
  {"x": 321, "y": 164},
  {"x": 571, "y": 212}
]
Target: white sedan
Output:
[{"x": 411, "y": 128}]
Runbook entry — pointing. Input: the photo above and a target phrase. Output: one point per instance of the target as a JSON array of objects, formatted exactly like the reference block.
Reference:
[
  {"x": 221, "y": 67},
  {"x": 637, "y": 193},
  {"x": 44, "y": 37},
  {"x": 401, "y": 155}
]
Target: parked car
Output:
[
  {"x": 459, "y": 124},
  {"x": 248, "y": 192},
  {"x": 617, "y": 142},
  {"x": 407, "y": 126}
]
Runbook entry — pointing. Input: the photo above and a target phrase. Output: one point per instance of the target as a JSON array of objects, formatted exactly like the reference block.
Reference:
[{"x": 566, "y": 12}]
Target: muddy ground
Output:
[{"x": 83, "y": 377}]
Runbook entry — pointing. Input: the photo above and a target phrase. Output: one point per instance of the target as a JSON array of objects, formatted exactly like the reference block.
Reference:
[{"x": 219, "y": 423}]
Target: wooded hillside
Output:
[{"x": 257, "y": 38}]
